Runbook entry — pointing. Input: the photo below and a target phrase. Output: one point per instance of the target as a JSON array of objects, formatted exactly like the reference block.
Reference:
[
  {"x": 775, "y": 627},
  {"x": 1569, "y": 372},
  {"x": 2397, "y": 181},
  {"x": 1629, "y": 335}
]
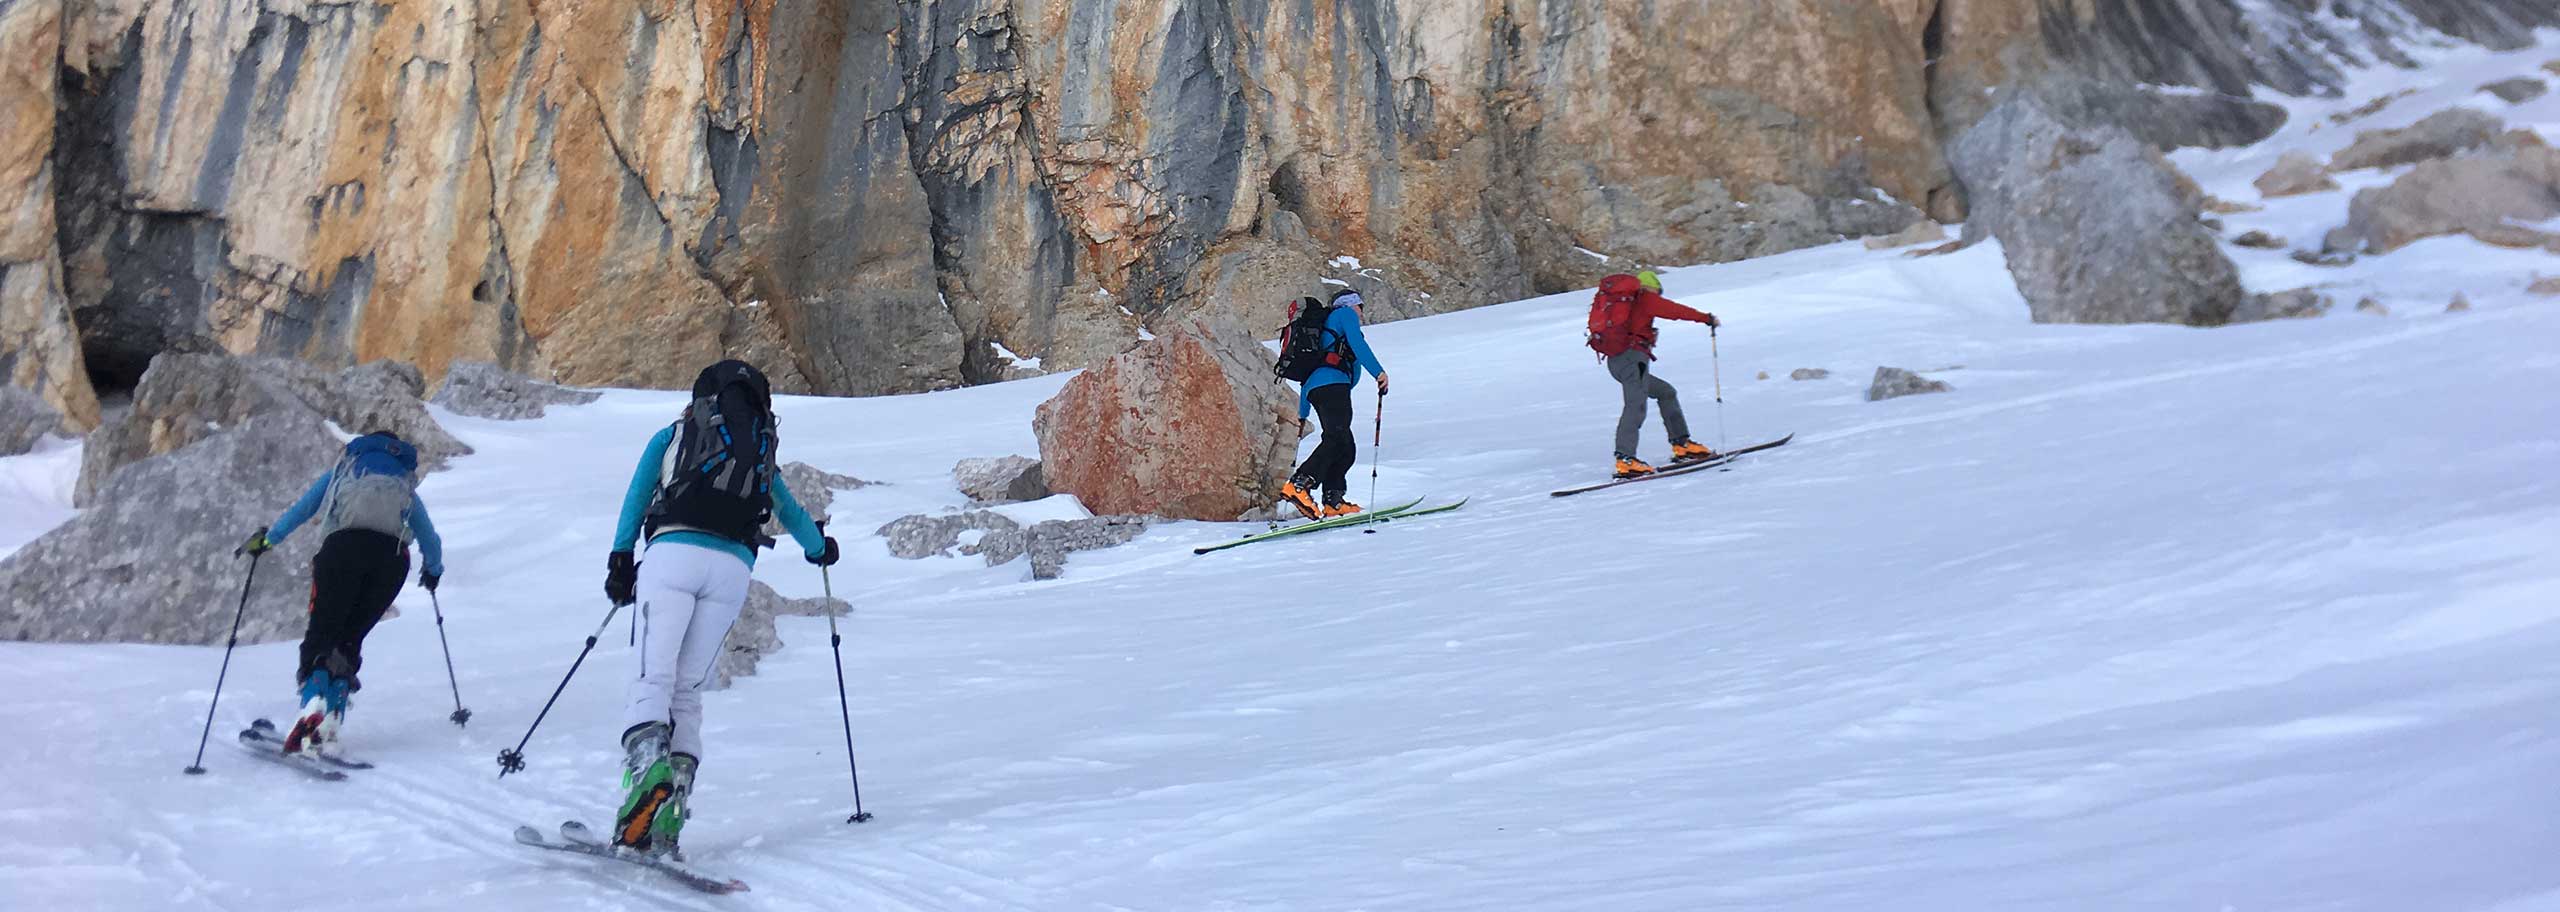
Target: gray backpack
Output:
[{"x": 372, "y": 487}]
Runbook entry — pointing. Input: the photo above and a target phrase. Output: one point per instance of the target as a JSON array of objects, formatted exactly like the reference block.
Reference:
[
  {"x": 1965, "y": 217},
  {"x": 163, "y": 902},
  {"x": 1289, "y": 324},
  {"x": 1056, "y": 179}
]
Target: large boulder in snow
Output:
[
  {"x": 484, "y": 390},
  {"x": 755, "y": 636},
  {"x": 1050, "y": 542},
  {"x": 2443, "y": 133},
  {"x": 1001, "y": 479},
  {"x": 24, "y": 419},
  {"x": 185, "y": 398},
  {"x": 2096, "y": 226},
  {"x": 151, "y": 559},
  {"x": 1189, "y": 425},
  {"x": 2481, "y": 194},
  {"x": 1895, "y": 383},
  {"x": 2294, "y": 174}
]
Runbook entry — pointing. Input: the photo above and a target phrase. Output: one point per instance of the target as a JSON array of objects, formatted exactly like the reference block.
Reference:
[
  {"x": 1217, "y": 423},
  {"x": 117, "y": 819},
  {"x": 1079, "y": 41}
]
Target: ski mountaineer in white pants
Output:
[{"x": 692, "y": 582}]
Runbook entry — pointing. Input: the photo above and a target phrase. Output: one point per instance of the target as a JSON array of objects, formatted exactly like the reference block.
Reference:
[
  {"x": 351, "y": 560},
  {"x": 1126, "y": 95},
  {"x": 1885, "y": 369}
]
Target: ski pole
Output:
[
  {"x": 844, "y": 705},
  {"x": 1717, "y": 358},
  {"x": 1377, "y": 434},
  {"x": 460, "y": 715},
  {"x": 197, "y": 768},
  {"x": 512, "y": 760}
]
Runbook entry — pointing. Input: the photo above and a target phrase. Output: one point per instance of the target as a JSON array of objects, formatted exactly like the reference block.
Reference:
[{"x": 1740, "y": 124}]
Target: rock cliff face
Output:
[{"x": 867, "y": 196}]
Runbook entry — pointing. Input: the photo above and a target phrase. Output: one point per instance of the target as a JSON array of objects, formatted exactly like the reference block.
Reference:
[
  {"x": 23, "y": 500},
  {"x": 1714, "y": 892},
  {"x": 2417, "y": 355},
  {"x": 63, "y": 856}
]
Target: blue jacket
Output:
[
  {"x": 420, "y": 527},
  {"x": 644, "y": 489},
  {"x": 1344, "y": 322}
]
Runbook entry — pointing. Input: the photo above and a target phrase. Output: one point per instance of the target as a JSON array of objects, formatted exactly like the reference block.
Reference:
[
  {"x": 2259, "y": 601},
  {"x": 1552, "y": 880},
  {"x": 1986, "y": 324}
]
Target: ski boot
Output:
[
  {"x": 668, "y": 823},
  {"x": 324, "y": 701},
  {"x": 1631, "y": 467},
  {"x": 1337, "y": 508},
  {"x": 1300, "y": 493},
  {"x": 1687, "y": 450},
  {"x": 648, "y": 780}
]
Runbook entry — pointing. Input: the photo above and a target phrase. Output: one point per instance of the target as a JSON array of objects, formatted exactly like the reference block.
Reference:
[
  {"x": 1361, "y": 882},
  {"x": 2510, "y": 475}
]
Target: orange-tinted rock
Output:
[{"x": 1189, "y": 425}]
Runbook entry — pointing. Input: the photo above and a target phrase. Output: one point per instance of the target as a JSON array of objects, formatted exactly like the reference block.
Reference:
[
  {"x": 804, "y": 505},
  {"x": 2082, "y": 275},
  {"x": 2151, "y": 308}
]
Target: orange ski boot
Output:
[
  {"x": 1299, "y": 494},
  {"x": 1631, "y": 467},
  {"x": 1687, "y": 450}
]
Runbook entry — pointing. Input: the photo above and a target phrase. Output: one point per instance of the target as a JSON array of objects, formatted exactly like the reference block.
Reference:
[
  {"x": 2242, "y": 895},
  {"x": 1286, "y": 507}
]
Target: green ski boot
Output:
[
  {"x": 647, "y": 783},
  {"x": 668, "y": 824}
]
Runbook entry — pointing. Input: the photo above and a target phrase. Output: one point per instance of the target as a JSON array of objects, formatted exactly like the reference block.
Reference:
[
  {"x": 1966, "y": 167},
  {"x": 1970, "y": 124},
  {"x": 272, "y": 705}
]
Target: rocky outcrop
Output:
[
  {"x": 1190, "y": 425},
  {"x": 1895, "y": 383},
  {"x": 2518, "y": 90},
  {"x": 2282, "y": 305},
  {"x": 755, "y": 636},
  {"x": 2295, "y": 174},
  {"x": 2095, "y": 225},
  {"x": 989, "y": 534},
  {"x": 187, "y": 398},
  {"x": 815, "y": 489},
  {"x": 39, "y": 342},
  {"x": 1920, "y": 232},
  {"x": 151, "y": 558},
  {"x": 1001, "y": 479},
  {"x": 483, "y": 390},
  {"x": 1051, "y": 541},
  {"x": 1809, "y": 373},
  {"x": 2258, "y": 240},
  {"x": 2480, "y": 194},
  {"x": 2444, "y": 133},
  {"x": 25, "y": 418}
]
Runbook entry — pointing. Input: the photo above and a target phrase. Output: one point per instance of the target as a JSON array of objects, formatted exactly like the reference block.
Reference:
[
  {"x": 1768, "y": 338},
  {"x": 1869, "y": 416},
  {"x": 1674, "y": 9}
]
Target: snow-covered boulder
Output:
[
  {"x": 24, "y": 419},
  {"x": 1050, "y": 542},
  {"x": 1001, "y": 479},
  {"x": 2096, "y": 226},
  {"x": 185, "y": 398},
  {"x": 151, "y": 559},
  {"x": 2481, "y": 194},
  {"x": 2443, "y": 133},
  {"x": 484, "y": 390},
  {"x": 1895, "y": 383},
  {"x": 1189, "y": 425},
  {"x": 2294, "y": 174}
]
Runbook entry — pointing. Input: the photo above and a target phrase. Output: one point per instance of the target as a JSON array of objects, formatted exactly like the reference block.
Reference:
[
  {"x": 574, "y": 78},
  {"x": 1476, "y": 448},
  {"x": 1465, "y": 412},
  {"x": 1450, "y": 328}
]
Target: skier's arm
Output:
[
  {"x": 644, "y": 486},
  {"x": 1347, "y": 322},
  {"x": 795, "y": 518},
  {"x": 1667, "y": 309},
  {"x": 430, "y": 545},
  {"x": 1303, "y": 405},
  {"x": 294, "y": 516}
]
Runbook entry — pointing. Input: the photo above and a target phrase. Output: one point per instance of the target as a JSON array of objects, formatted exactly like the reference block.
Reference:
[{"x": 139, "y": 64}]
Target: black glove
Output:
[
  {"x": 827, "y": 557},
  {"x": 256, "y": 545},
  {"x": 427, "y": 579},
  {"x": 1713, "y": 322},
  {"x": 621, "y": 578}
]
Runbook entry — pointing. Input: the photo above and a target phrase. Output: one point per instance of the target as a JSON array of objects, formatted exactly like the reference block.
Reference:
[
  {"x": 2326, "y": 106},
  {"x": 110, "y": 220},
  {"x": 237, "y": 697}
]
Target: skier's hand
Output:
[
  {"x": 1712, "y": 322},
  {"x": 827, "y": 556},
  {"x": 1382, "y": 384},
  {"x": 621, "y": 578},
  {"x": 256, "y": 545},
  {"x": 427, "y": 579}
]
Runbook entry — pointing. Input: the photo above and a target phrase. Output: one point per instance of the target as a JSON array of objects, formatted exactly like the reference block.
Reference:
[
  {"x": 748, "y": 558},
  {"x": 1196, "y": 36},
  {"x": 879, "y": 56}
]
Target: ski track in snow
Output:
[{"x": 2134, "y": 618}]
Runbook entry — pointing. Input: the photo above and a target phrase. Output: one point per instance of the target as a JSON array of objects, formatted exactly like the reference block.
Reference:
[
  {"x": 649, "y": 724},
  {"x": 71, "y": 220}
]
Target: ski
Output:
[
  {"x": 1679, "y": 469},
  {"x": 1390, "y": 514},
  {"x": 265, "y": 731},
  {"x": 576, "y": 839},
  {"x": 273, "y": 752}
]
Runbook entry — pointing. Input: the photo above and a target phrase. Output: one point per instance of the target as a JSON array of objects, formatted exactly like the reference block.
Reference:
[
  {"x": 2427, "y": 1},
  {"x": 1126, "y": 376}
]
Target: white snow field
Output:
[{"x": 2141, "y": 618}]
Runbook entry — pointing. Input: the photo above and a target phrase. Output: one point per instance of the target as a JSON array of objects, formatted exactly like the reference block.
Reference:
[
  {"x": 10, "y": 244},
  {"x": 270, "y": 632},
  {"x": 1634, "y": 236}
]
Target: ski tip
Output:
[{"x": 528, "y": 835}]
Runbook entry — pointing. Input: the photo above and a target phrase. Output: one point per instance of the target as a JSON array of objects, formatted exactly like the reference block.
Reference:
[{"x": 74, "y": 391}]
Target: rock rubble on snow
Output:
[
  {"x": 483, "y": 390},
  {"x": 1001, "y": 479},
  {"x": 2294, "y": 174},
  {"x": 1809, "y": 373},
  {"x": 1895, "y": 383}
]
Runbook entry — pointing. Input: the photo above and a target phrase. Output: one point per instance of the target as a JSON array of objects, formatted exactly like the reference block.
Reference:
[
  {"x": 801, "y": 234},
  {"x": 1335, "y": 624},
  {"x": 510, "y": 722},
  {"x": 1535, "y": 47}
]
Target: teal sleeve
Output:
[
  {"x": 644, "y": 488},
  {"x": 796, "y": 519},
  {"x": 1347, "y": 322},
  {"x": 430, "y": 545},
  {"x": 294, "y": 516}
]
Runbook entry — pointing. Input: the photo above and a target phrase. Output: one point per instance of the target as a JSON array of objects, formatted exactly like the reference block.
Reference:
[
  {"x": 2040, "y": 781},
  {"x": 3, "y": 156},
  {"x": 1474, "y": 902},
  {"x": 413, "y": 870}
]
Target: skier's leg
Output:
[
  {"x": 337, "y": 582},
  {"x": 1333, "y": 407},
  {"x": 1668, "y": 399},
  {"x": 671, "y": 578},
  {"x": 1628, "y": 368},
  {"x": 723, "y": 595},
  {"x": 386, "y": 571}
]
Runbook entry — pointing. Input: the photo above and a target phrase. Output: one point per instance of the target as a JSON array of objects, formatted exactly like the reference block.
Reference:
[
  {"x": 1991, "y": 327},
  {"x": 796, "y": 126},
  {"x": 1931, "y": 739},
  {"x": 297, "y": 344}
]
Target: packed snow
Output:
[{"x": 2136, "y": 617}]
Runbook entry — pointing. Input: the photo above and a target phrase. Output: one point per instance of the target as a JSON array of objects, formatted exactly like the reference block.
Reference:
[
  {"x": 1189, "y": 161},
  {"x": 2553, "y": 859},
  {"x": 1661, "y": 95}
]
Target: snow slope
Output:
[{"x": 2258, "y": 618}]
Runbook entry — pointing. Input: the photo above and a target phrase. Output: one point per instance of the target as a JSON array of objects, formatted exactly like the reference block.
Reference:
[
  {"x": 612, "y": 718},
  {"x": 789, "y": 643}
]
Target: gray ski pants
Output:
[{"x": 1634, "y": 373}]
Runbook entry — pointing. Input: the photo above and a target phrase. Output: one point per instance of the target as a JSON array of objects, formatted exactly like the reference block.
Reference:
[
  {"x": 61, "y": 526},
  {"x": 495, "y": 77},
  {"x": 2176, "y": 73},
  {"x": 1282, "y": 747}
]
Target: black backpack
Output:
[
  {"x": 1306, "y": 344},
  {"x": 718, "y": 477}
]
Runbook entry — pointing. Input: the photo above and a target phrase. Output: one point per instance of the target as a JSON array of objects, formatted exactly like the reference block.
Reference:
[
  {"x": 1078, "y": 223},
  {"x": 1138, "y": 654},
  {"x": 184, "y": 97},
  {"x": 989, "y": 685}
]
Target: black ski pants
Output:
[
  {"x": 1330, "y": 465},
  {"x": 353, "y": 580}
]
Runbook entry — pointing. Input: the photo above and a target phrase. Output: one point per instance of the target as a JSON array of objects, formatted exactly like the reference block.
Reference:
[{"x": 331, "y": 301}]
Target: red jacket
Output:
[{"x": 1622, "y": 315}]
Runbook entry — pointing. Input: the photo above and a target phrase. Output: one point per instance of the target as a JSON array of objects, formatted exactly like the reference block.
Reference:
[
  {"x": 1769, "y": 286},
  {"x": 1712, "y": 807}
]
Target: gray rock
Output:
[
  {"x": 2162, "y": 120},
  {"x": 928, "y": 535},
  {"x": 484, "y": 390},
  {"x": 1894, "y": 383},
  {"x": 1809, "y": 373},
  {"x": 25, "y": 418},
  {"x": 2095, "y": 225},
  {"x": 151, "y": 559},
  {"x": 2478, "y": 193},
  {"x": 2294, "y": 174},
  {"x": 2300, "y": 302},
  {"x": 2460, "y": 304},
  {"x": 2374, "y": 307},
  {"x": 1002, "y": 479},
  {"x": 1920, "y": 232},
  {"x": 755, "y": 635},
  {"x": 2259, "y": 240},
  {"x": 184, "y": 398},
  {"x": 1050, "y": 542},
  {"x": 2518, "y": 90},
  {"x": 2441, "y": 134},
  {"x": 815, "y": 489}
]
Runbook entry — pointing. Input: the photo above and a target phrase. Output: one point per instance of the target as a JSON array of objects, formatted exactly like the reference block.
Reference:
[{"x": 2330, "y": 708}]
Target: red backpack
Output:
[{"x": 1614, "y": 316}]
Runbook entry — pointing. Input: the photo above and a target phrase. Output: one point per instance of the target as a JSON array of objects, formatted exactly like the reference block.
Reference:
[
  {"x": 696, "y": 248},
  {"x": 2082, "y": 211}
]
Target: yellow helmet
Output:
[{"x": 1649, "y": 280}]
